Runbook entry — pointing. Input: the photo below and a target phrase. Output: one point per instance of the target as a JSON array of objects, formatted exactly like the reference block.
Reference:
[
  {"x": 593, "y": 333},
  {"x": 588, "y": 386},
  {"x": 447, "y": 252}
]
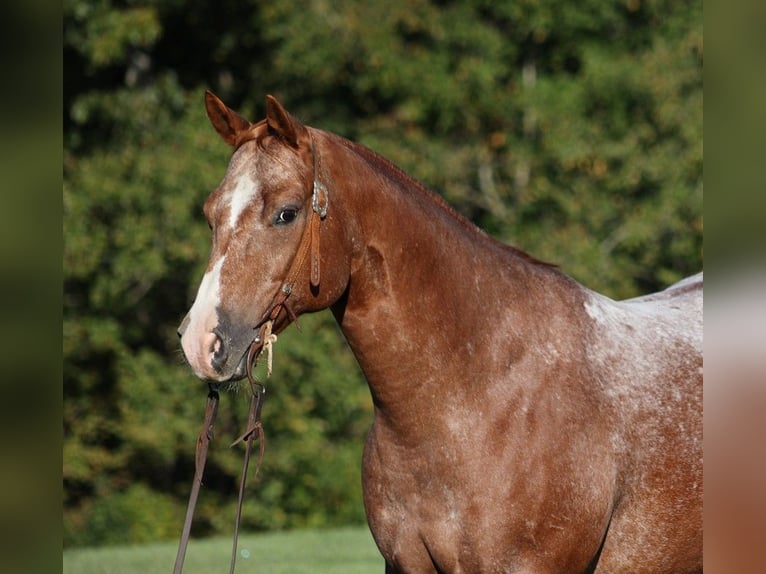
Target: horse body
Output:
[{"x": 522, "y": 422}]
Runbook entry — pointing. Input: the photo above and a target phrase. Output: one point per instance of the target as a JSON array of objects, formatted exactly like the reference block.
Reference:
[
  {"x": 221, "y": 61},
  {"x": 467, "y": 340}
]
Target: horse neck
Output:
[{"x": 428, "y": 290}]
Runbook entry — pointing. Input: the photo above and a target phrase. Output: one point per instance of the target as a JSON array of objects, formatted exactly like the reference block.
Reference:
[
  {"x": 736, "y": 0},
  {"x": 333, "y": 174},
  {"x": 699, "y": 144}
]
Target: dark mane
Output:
[{"x": 392, "y": 171}]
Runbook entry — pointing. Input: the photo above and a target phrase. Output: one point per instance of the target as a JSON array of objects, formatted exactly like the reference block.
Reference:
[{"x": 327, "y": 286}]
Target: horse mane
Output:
[{"x": 392, "y": 171}]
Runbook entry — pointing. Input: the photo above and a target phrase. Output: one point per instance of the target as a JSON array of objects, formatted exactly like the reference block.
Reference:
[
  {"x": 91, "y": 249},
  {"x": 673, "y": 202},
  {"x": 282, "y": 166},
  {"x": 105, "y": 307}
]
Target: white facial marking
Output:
[
  {"x": 208, "y": 294},
  {"x": 241, "y": 196},
  {"x": 203, "y": 319}
]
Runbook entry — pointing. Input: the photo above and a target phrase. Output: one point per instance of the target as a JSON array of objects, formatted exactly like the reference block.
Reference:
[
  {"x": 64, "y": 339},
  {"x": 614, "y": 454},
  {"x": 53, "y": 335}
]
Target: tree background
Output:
[{"x": 573, "y": 131}]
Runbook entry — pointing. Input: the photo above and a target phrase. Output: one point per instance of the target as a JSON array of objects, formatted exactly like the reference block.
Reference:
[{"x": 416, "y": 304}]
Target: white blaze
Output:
[
  {"x": 239, "y": 190},
  {"x": 203, "y": 319},
  {"x": 241, "y": 196}
]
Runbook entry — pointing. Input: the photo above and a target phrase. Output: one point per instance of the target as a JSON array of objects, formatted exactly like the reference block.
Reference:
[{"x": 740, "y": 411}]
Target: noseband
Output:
[{"x": 308, "y": 248}]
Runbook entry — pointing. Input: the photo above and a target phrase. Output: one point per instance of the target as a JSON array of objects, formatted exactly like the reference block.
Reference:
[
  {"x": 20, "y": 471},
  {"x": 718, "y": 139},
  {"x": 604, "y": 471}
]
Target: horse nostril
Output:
[{"x": 218, "y": 351}]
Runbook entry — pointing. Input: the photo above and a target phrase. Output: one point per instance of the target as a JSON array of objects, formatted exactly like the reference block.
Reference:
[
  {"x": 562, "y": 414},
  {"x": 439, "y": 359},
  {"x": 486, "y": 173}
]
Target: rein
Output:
[
  {"x": 254, "y": 430},
  {"x": 264, "y": 340},
  {"x": 205, "y": 435}
]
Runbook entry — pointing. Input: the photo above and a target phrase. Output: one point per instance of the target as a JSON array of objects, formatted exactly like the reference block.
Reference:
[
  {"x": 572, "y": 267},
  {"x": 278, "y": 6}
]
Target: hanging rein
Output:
[{"x": 263, "y": 341}]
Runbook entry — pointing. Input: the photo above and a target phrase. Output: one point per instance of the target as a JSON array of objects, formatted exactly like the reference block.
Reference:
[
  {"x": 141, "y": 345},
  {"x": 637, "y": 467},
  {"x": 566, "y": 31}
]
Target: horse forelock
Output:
[{"x": 255, "y": 132}]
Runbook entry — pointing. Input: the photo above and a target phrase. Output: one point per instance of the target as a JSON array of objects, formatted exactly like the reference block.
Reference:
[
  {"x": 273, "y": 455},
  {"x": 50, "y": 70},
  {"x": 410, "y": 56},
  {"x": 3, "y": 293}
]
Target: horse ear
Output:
[
  {"x": 282, "y": 123},
  {"x": 228, "y": 123}
]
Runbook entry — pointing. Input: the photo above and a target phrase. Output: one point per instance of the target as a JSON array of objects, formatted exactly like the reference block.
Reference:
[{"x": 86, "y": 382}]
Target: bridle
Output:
[{"x": 307, "y": 249}]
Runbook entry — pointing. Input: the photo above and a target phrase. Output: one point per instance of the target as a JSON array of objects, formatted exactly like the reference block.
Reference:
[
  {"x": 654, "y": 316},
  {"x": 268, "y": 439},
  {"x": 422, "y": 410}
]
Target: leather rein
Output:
[{"x": 307, "y": 249}]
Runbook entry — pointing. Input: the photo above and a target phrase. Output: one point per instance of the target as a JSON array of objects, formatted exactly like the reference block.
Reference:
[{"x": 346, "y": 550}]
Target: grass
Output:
[{"x": 344, "y": 550}]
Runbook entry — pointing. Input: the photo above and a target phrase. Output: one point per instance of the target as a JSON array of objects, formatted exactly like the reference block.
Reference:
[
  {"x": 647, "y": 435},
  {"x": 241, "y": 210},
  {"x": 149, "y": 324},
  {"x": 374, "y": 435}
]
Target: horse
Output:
[{"x": 522, "y": 422}]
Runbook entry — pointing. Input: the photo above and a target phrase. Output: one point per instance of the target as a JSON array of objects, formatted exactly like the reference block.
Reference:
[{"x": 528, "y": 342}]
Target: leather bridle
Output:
[{"x": 307, "y": 249}]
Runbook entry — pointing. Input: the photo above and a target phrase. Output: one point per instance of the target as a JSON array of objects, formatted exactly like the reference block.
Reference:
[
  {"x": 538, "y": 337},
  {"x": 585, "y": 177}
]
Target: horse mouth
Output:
[{"x": 239, "y": 373}]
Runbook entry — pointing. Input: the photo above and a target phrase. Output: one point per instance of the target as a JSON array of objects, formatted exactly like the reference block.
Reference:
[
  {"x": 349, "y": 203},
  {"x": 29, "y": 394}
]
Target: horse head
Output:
[{"x": 268, "y": 218}]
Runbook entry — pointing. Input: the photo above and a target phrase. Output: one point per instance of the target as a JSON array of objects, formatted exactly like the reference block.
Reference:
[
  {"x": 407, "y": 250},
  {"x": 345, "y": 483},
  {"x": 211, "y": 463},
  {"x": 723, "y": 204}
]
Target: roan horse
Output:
[{"x": 523, "y": 423}]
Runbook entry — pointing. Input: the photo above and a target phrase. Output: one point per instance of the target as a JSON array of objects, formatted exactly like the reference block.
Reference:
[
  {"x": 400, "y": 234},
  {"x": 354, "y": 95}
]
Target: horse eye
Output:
[{"x": 286, "y": 216}]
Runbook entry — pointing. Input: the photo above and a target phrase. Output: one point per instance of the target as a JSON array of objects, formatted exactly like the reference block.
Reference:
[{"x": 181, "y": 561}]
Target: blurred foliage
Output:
[{"x": 573, "y": 131}]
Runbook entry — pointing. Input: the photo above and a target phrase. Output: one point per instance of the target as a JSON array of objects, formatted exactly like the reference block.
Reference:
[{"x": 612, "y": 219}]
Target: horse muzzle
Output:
[{"x": 218, "y": 355}]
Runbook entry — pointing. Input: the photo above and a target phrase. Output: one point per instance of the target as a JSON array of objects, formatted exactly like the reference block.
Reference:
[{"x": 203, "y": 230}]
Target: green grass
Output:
[{"x": 345, "y": 550}]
